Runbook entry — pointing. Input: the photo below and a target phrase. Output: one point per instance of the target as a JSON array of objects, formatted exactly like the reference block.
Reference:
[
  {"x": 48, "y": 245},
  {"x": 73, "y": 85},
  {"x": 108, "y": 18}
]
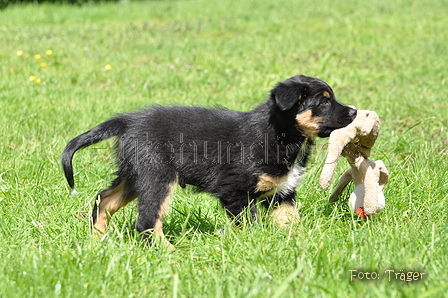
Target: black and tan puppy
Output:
[{"x": 239, "y": 157}]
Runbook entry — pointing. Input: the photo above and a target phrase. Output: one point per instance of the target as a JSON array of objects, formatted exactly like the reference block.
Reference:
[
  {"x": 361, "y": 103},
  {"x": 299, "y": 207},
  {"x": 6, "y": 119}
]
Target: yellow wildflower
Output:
[
  {"x": 43, "y": 64},
  {"x": 107, "y": 67},
  {"x": 19, "y": 53},
  {"x": 37, "y": 56},
  {"x": 49, "y": 52},
  {"x": 38, "y": 81},
  {"x": 32, "y": 78}
]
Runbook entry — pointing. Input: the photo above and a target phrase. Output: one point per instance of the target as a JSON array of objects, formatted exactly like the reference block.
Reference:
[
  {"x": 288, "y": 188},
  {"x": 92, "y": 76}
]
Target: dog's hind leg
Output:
[
  {"x": 109, "y": 201},
  {"x": 153, "y": 203}
]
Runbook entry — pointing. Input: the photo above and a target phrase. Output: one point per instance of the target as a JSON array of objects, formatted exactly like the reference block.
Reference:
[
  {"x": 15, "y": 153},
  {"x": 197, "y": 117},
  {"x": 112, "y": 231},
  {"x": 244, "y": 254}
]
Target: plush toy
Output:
[{"x": 354, "y": 143}]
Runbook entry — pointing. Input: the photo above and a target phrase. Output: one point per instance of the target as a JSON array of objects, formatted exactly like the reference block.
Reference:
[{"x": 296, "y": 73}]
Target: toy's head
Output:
[
  {"x": 368, "y": 127},
  {"x": 352, "y": 141}
]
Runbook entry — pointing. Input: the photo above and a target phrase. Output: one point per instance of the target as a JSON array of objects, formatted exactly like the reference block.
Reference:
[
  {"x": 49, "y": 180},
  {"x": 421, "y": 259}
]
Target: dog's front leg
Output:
[
  {"x": 241, "y": 210},
  {"x": 286, "y": 211}
]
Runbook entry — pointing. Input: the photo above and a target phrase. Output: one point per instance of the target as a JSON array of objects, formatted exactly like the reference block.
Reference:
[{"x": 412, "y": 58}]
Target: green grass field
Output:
[{"x": 387, "y": 56}]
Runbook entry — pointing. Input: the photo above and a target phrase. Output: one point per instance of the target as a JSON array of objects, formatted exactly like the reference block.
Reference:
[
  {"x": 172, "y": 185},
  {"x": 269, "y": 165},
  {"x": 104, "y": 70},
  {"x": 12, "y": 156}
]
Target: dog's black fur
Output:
[{"x": 239, "y": 157}]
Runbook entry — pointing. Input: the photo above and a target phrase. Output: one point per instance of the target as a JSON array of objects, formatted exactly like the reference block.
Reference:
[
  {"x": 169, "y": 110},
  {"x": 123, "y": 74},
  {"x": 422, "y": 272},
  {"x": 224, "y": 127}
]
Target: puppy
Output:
[{"x": 239, "y": 157}]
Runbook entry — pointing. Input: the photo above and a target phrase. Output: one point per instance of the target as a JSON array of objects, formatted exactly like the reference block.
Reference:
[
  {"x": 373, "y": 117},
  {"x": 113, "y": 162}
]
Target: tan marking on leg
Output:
[
  {"x": 107, "y": 204},
  {"x": 308, "y": 123},
  {"x": 267, "y": 182},
  {"x": 285, "y": 214},
  {"x": 158, "y": 227},
  {"x": 270, "y": 185}
]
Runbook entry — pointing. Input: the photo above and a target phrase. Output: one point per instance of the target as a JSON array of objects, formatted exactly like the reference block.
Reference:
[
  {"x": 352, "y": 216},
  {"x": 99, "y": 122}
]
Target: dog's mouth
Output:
[
  {"x": 325, "y": 131},
  {"x": 352, "y": 113},
  {"x": 344, "y": 121}
]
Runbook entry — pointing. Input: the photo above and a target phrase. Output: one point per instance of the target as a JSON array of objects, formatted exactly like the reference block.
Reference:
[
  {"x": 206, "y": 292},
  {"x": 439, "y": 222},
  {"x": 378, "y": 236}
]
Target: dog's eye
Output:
[
  {"x": 326, "y": 98},
  {"x": 325, "y": 101}
]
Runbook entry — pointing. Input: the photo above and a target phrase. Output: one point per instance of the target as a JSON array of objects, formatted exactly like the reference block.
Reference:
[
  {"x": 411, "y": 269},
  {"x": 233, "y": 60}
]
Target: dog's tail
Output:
[{"x": 114, "y": 127}]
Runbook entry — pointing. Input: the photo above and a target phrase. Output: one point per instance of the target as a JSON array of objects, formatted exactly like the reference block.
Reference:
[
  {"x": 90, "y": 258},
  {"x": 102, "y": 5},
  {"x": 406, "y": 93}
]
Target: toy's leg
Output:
[
  {"x": 345, "y": 179},
  {"x": 357, "y": 198}
]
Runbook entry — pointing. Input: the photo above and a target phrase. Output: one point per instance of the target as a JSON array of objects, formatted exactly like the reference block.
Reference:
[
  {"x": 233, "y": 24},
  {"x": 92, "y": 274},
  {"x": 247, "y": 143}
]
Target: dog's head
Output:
[{"x": 316, "y": 110}]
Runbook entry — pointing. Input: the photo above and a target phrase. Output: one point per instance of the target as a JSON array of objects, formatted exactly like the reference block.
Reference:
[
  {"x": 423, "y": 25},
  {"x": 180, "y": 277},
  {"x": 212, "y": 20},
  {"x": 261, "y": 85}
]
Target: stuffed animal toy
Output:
[{"x": 354, "y": 143}]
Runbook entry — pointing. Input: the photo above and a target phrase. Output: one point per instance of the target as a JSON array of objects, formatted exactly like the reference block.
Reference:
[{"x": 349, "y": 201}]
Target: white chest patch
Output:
[
  {"x": 291, "y": 180},
  {"x": 281, "y": 185},
  {"x": 285, "y": 184}
]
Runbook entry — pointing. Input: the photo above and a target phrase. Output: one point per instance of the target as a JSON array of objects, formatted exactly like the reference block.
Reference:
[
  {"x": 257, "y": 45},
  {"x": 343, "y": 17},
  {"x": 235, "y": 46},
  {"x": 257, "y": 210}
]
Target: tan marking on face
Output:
[
  {"x": 285, "y": 214},
  {"x": 158, "y": 227},
  {"x": 108, "y": 203},
  {"x": 327, "y": 94},
  {"x": 309, "y": 124}
]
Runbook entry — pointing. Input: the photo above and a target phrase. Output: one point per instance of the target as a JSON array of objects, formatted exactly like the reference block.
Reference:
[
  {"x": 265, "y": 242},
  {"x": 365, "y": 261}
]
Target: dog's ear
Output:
[{"x": 286, "y": 96}]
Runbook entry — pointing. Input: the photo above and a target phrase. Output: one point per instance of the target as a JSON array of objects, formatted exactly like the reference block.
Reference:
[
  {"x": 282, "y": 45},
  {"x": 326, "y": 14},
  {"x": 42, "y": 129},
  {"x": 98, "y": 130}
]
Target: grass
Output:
[{"x": 384, "y": 56}]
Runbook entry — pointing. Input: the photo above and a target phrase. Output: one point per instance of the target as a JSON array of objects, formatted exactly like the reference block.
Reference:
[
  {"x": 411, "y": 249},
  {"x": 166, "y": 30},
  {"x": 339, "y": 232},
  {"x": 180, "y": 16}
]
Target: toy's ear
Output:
[
  {"x": 343, "y": 181},
  {"x": 286, "y": 96},
  {"x": 384, "y": 174}
]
